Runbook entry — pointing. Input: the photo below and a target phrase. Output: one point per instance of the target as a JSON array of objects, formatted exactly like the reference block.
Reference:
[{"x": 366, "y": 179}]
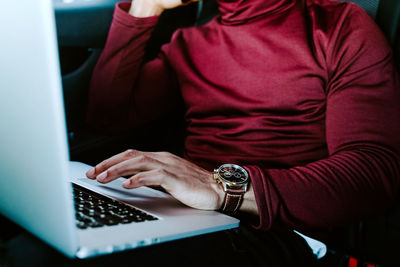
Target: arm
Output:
[
  {"x": 124, "y": 91},
  {"x": 360, "y": 177}
]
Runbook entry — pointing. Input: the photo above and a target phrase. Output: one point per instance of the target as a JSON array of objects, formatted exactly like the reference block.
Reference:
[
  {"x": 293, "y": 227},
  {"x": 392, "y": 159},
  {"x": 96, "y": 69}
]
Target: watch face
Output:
[{"x": 233, "y": 173}]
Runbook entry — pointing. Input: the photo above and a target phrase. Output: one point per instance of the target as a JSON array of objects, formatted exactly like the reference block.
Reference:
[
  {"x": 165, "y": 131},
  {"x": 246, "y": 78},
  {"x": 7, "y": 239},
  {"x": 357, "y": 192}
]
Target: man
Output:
[{"x": 300, "y": 94}]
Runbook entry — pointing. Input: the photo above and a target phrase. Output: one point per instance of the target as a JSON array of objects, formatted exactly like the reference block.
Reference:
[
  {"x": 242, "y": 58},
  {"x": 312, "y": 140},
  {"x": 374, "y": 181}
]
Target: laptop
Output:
[{"x": 37, "y": 178}]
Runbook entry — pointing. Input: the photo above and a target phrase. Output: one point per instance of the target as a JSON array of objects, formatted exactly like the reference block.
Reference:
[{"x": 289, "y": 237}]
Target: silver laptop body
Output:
[{"x": 35, "y": 171}]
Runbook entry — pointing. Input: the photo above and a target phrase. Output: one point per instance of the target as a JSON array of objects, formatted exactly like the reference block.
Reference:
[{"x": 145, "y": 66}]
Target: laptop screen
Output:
[{"x": 33, "y": 145}]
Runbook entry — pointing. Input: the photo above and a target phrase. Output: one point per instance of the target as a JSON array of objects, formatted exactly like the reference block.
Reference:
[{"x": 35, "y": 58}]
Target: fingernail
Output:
[
  {"x": 126, "y": 183},
  {"x": 90, "y": 172},
  {"x": 102, "y": 176}
]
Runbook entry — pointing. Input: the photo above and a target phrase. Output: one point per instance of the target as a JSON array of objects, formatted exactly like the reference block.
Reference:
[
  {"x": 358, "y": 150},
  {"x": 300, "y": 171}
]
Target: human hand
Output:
[
  {"x": 170, "y": 4},
  {"x": 187, "y": 182},
  {"x": 147, "y": 8}
]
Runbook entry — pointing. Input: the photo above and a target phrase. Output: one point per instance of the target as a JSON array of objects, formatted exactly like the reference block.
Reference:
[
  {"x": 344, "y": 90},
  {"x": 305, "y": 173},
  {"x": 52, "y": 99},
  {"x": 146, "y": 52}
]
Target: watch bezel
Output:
[{"x": 232, "y": 183}]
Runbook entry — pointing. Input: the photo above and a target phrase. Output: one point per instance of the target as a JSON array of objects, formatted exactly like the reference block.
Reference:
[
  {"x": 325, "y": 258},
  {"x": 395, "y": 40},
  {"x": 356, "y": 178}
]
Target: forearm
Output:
[
  {"x": 117, "y": 70},
  {"x": 122, "y": 85},
  {"x": 347, "y": 186}
]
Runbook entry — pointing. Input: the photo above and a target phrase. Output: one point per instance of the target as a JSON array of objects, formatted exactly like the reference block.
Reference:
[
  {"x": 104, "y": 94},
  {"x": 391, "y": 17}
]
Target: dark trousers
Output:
[{"x": 239, "y": 247}]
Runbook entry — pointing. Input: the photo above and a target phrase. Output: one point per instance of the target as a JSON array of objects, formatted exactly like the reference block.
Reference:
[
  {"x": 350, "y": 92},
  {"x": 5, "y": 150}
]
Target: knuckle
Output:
[
  {"x": 161, "y": 172},
  {"x": 138, "y": 179},
  {"x": 130, "y": 153},
  {"x": 112, "y": 171},
  {"x": 142, "y": 158},
  {"x": 101, "y": 165}
]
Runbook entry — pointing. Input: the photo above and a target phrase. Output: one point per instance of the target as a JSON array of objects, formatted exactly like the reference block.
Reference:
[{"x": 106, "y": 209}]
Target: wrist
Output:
[
  {"x": 249, "y": 204},
  {"x": 220, "y": 193},
  {"x": 145, "y": 8},
  {"x": 233, "y": 180}
]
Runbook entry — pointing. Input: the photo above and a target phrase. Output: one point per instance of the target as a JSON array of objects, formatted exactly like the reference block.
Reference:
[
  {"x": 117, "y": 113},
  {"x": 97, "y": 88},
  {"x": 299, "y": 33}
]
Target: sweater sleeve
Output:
[
  {"x": 124, "y": 91},
  {"x": 360, "y": 176}
]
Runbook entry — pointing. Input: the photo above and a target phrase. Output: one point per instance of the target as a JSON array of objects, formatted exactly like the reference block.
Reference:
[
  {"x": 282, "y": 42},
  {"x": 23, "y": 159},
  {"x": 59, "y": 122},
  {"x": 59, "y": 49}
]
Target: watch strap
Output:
[{"x": 233, "y": 200}]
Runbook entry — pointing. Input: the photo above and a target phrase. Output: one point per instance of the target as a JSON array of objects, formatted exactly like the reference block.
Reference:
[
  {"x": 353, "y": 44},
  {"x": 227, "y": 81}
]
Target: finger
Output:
[
  {"x": 106, "y": 164},
  {"x": 128, "y": 167},
  {"x": 157, "y": 177}
]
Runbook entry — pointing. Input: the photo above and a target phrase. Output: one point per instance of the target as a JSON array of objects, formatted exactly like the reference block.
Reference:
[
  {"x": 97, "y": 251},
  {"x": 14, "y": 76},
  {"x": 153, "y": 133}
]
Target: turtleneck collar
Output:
[{"x": 242, "y": 11}]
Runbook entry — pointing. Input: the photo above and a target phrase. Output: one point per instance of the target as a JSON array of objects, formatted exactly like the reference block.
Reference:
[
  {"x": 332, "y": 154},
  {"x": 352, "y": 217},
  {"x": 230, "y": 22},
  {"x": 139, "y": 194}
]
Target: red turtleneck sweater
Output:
[{"x": 303, "y": 93}]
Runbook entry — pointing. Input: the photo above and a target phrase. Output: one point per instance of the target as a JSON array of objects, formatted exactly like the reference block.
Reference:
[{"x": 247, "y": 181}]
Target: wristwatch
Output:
[{"x": 234, "y": 181}]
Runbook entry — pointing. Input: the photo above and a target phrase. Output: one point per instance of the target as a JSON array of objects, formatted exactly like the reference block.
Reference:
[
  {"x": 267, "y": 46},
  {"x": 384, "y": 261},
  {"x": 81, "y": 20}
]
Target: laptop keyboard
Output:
[{"x": 94, "y": 210}]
